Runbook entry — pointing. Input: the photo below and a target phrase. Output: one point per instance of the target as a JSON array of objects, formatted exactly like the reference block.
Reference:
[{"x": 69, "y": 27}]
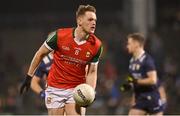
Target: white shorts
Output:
[{"x": 57, "y": 98}]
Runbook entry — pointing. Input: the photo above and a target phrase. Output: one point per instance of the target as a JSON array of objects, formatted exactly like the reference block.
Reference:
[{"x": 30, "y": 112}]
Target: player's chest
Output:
[
  {"x": 135, "y": 65},
  {"x": 137, "y": 69},
  {"x": 72, "y": 49}
]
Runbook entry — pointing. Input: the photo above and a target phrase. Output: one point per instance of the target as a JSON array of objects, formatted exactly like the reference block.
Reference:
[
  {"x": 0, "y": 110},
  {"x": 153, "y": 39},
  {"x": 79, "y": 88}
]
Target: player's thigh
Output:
[
  {"x": 134, "y": 111},
  {"x": 73, "y": 109},
  {"x": 55, "y": 111},
  {"x": 158, "y": 114}
]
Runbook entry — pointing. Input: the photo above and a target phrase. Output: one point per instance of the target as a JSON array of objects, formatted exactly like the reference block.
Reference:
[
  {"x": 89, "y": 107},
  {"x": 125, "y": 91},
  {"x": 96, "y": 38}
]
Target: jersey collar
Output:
[
  {"x": 140, "y": 56},
  {"x": 86, "y": 38}
]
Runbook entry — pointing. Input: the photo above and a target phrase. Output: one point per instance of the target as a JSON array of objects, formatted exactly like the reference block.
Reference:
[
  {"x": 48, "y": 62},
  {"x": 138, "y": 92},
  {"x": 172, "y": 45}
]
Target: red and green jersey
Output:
[{"x": 71, "y": 57}]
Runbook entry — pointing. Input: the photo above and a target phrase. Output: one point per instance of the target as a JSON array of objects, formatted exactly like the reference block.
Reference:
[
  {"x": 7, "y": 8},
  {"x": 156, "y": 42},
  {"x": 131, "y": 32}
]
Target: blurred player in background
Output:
[
  {"x": 143, "y": 77},
  {"x": 74, "y": 48},
  {"x": 41, "y": 74}
]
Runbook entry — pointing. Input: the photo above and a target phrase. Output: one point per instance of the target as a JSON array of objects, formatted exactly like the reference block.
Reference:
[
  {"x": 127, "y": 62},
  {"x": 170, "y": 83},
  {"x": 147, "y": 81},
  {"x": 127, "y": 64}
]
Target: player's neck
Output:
[
  {"x": 79, "y": 34},
  {"x": 138, "y": 53}
]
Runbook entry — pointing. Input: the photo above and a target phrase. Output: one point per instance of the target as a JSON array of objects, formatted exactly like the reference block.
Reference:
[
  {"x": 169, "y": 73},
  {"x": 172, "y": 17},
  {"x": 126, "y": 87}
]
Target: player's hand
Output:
[
  {"x": 85, "y": 106},
  {"x": 125, "y": 87},
  {"x": 131, "y": 79},
  {"x": 42, "y": 94},
  {"x": 90, "y": 104},
  {"x": 163, "y": 103},
  {"x": 26, "y": 84}
]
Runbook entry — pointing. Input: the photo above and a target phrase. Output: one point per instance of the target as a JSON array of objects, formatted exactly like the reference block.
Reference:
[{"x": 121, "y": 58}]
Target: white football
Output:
[{"x": 84, "y": 95}]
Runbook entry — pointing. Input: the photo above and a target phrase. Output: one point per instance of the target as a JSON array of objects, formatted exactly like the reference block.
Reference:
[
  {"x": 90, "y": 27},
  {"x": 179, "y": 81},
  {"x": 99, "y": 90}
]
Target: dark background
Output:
[{"x": 25, "y": 24}]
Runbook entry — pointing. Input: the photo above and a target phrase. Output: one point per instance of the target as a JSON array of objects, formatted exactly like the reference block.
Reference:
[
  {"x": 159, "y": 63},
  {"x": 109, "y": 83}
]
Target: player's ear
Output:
[{"x": 79, "y": 21}]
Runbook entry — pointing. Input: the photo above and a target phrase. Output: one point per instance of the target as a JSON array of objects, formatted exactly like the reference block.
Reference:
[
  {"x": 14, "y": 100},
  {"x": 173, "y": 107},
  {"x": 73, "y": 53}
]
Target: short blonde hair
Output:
[
  {"x": 137, "y": 37},
  {"x": 83, "y": 9}
]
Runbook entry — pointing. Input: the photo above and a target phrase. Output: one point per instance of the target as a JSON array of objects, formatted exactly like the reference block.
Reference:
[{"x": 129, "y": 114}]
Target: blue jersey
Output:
[
  {"x": 147, "y": 97},
  {"x": 44, "y": 66},
  {"x": 138, "y": 68}
]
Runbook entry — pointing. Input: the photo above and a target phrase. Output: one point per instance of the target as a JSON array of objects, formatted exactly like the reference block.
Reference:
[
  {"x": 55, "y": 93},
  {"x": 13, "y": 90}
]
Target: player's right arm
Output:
[
  {"x": 43, "y": 51},
  {"x": 46, "y": 48},
  {"x": 35, "y": 86},
  {"x": 49, "y": 45}
]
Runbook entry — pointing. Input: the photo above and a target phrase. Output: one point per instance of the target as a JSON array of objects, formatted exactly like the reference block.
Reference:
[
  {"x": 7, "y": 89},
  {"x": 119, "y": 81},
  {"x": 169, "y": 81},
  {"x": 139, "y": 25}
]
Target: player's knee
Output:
[
  {"x": 55, "y": 111},
  {"x": 133, "y": 112}
]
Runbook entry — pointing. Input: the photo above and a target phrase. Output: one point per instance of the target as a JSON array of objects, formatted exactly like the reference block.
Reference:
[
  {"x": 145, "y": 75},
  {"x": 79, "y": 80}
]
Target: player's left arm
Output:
[
  {"x": 162, "y": 92},
  {"x": 150, "y": 80},
  {"x": 151, "y": 73},
  {"x": 91, "y": 76}
]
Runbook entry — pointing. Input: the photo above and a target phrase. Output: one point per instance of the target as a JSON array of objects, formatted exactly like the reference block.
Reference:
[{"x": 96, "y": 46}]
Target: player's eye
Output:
[{"x": 91, "y": 19}]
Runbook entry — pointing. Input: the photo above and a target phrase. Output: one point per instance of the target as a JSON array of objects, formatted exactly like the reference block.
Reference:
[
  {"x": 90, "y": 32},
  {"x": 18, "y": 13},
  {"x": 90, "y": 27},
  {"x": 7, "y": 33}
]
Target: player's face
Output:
[
  {"x": 132, "y": 45},
  {"x": 88, "y": 22}
]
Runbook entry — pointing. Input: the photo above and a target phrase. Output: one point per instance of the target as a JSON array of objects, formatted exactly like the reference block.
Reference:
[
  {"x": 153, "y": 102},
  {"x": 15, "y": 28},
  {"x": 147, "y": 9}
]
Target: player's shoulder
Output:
[
  {"x": 64, "y": 31},
  {"x": 59, "y": 31},
  {"x": 97, "y": 38},
  {"x": 97, "y": 41},
  {"x": 148, "y": 58}
]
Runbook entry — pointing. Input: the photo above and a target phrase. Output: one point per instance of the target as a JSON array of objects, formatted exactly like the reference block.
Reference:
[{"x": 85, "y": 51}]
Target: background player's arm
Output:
[
  {"x": 162, "y": 93},
  {"x": 150, "y": 80},
  {"x": 35, "y": 84},
  {"x": 150, "y": 72}
]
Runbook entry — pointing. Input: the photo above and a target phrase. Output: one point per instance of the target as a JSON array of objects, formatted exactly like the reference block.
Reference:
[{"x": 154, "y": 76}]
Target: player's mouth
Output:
[{"x": 93, "y": 28}]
